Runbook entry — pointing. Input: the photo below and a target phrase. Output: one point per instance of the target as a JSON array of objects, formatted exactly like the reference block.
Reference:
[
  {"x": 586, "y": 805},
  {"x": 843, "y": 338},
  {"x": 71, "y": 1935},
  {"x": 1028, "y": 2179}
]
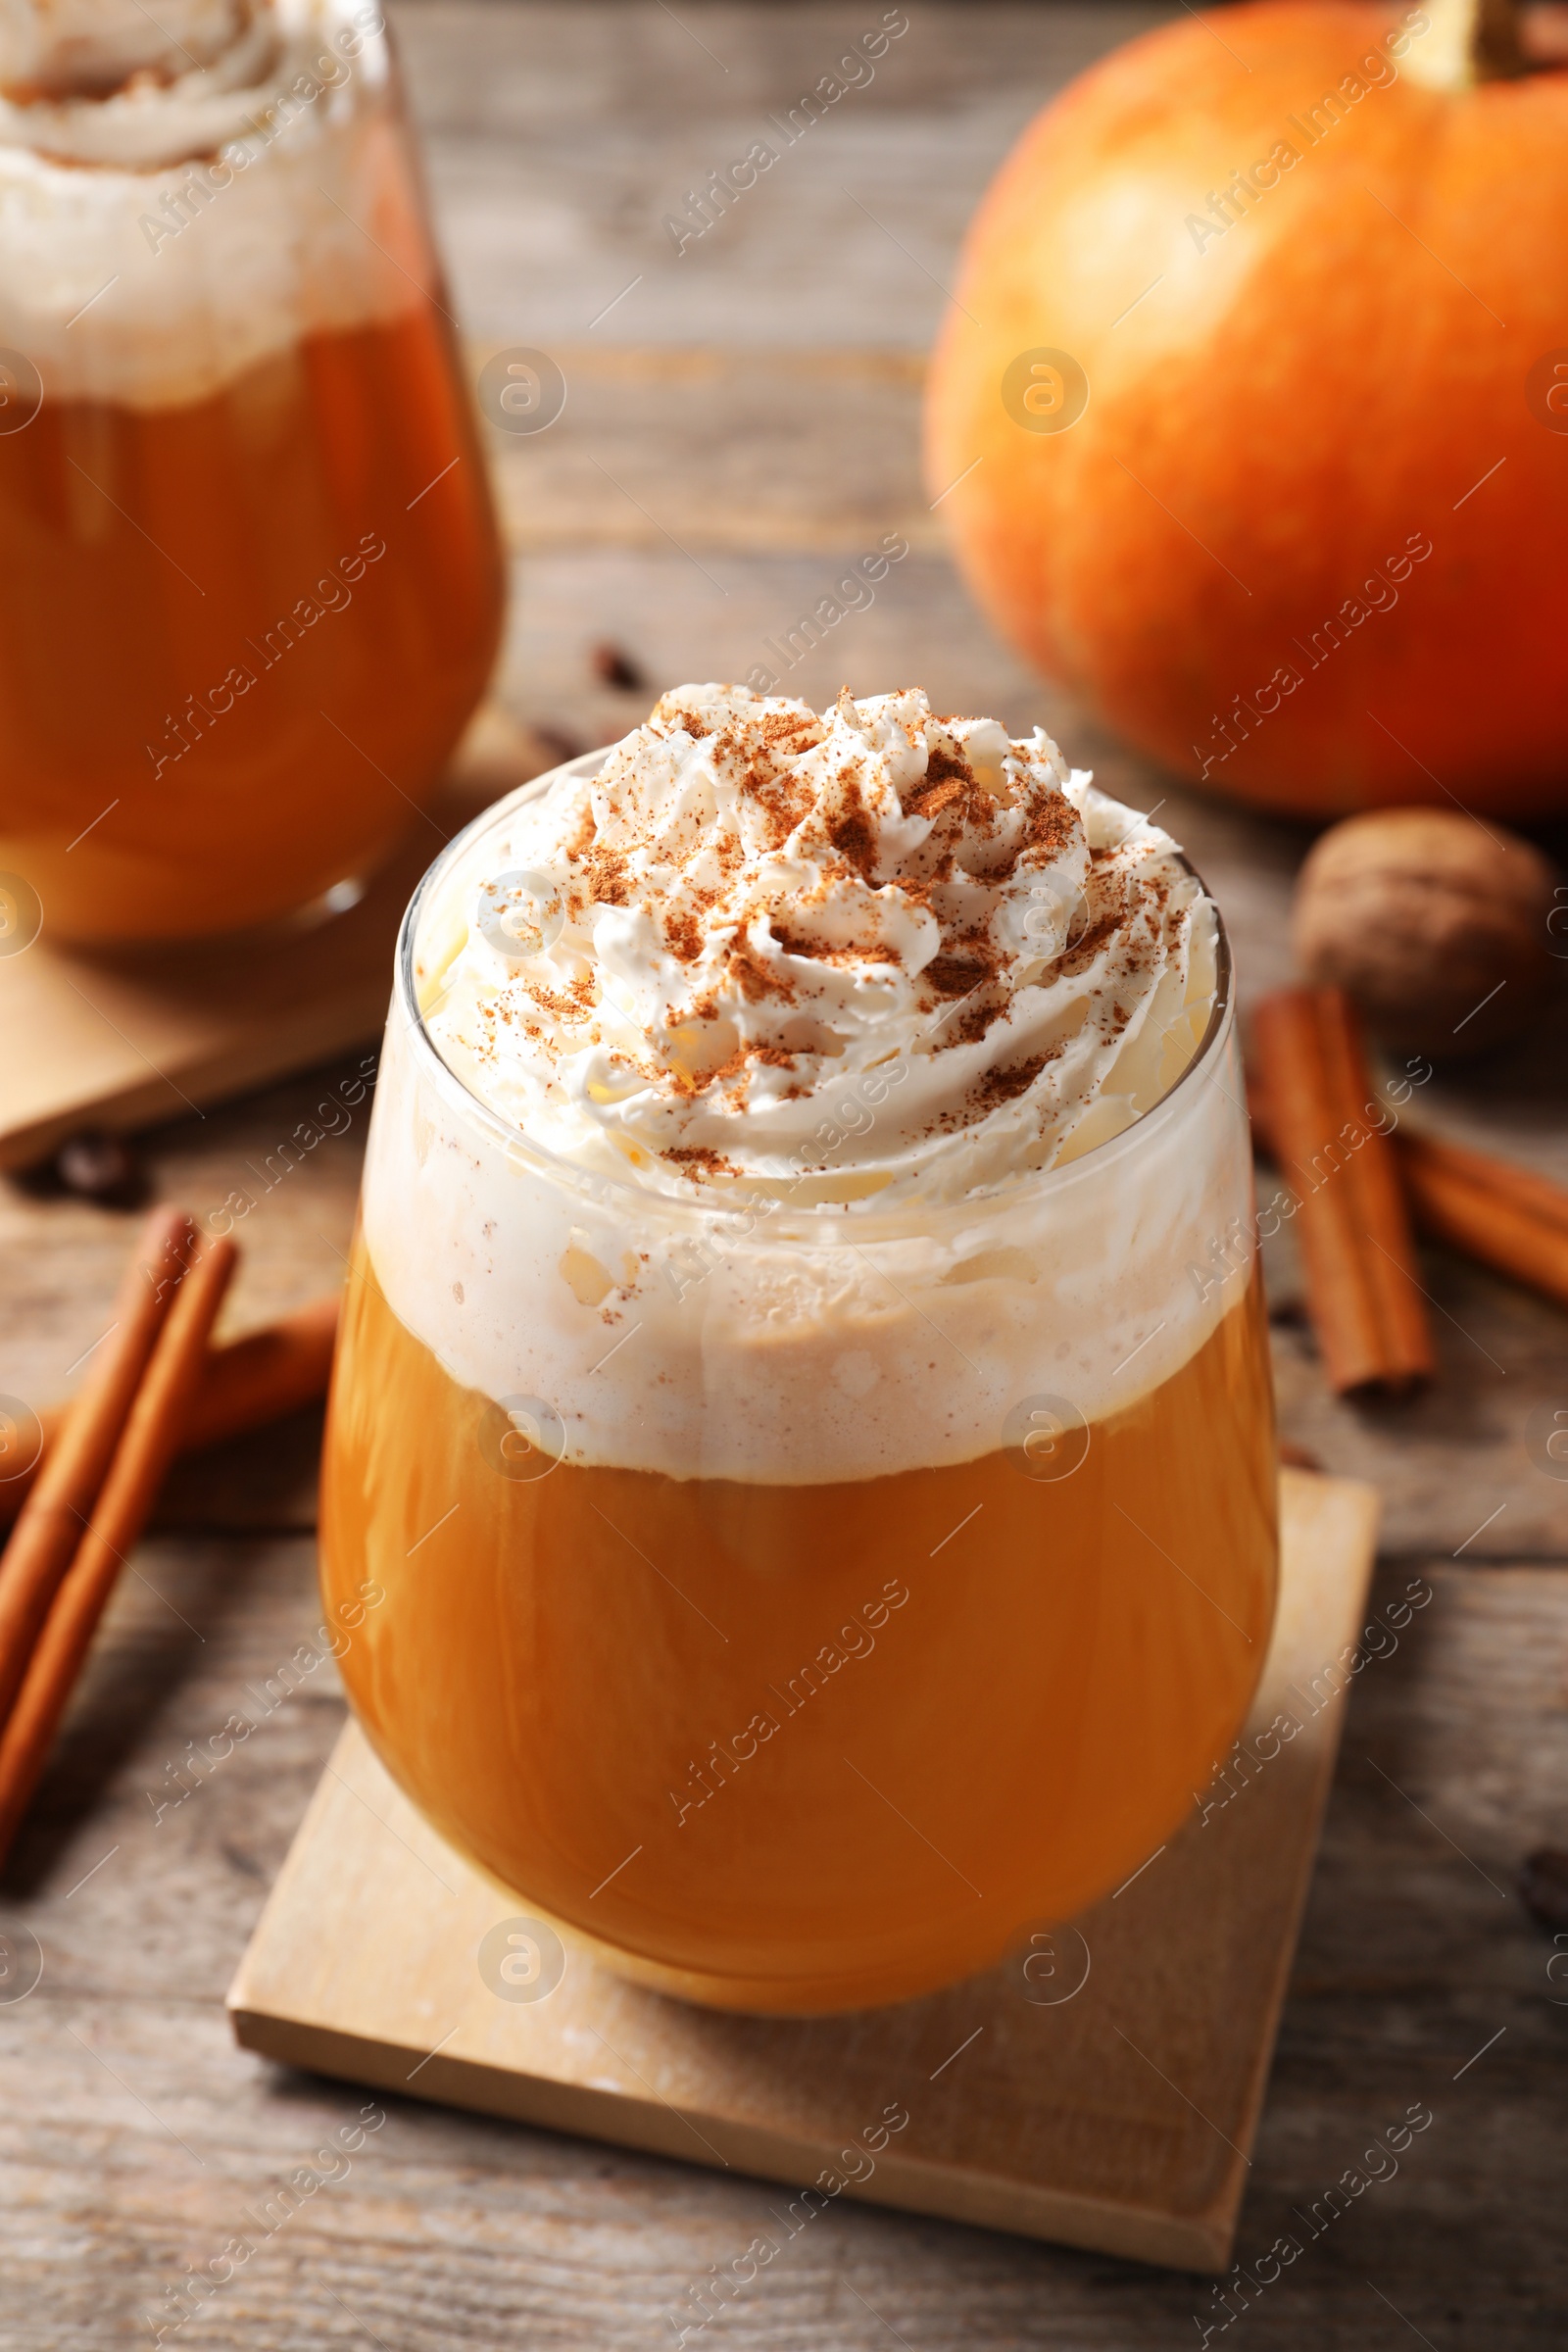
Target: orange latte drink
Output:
[
  {"x": 802, "y": 1399},
  {"x": 250, "y": 580}
]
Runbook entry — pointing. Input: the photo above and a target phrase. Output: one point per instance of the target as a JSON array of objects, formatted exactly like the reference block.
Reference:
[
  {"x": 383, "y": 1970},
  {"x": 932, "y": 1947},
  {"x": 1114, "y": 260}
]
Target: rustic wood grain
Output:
[
  {"x": 556, "y": 136},
  {"x": 448, "y": 2230},
  {"x": 554, "y": 168}
]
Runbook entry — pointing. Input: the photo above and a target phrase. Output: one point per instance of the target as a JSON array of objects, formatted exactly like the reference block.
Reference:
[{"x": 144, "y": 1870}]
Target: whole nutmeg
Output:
[{"x": 1436, "y": 925}]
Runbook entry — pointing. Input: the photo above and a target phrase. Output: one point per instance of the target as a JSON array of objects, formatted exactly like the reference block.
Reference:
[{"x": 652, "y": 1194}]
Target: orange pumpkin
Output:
[{"x": 1250, "y": 416}]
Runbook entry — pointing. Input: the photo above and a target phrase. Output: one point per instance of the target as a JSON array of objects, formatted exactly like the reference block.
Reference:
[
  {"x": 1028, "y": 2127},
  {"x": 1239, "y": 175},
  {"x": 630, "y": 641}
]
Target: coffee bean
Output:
[
  {"x": 1288, "y": 1315},
  {"x": 617, "y": 669},
  {"x": 98, "y": 1166},
  {"x": 1543, "y": 1886}
]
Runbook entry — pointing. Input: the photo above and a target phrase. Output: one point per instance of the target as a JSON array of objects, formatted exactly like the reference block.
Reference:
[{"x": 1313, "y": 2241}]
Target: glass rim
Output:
[{"x": 821, "y": 1220}]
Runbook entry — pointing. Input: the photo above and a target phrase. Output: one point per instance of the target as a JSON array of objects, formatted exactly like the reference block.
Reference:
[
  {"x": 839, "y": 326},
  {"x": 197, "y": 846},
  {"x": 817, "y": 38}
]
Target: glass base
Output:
[
  {"x": 763, "y": 1996},
  {"x": 197, "y": 950}
]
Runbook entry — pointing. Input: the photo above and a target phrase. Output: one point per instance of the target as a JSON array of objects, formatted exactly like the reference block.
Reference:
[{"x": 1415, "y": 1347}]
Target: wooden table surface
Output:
[{"x": 741, "y": 422}]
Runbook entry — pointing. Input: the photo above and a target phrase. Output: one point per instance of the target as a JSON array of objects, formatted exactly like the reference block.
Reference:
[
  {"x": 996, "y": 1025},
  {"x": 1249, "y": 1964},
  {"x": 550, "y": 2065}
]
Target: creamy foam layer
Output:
[
  {"x": 247, "y": 186},
  {"x": 742, "y": 1327},
  {"x": 842, "y": 956}
]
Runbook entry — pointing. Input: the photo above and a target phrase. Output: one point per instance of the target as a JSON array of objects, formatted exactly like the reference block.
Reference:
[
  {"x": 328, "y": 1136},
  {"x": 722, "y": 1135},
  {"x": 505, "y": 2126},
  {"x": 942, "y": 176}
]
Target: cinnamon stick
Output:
[
  {"x": 1508, "y": 1219},
  {"x": 1377, "y": 1195},
  {"x": 65, "y": 1487},
  {"x": 1325, "y": 1124},
  {"x": 1504, "y": 1217},
  {"x": 146, "y": 1447},
  {"x": 244, "y": 1385}
]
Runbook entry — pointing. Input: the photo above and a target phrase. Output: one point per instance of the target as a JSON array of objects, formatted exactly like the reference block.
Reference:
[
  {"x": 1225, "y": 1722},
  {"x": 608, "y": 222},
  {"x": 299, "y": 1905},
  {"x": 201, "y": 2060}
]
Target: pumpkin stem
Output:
[{"x": 1469, "y": 41}]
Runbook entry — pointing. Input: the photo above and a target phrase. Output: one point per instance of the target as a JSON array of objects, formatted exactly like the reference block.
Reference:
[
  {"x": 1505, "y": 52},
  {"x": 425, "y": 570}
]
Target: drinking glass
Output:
[
  {"x": 800, "y": 1605},
  {"x": 250, "y": 580}
]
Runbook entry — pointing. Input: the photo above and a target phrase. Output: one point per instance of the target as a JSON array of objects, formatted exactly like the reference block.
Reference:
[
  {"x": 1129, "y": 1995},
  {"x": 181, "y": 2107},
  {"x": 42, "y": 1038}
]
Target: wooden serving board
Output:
[
  {"x": 122, "y": 1040},
  {"x": 1103, "y": 2090}
]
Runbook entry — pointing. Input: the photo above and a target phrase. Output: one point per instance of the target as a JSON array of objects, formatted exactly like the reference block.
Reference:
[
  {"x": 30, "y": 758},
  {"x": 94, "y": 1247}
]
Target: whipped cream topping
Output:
[
  {"x": 181, "y": 200},
  {"x": 829, "y": 957},
  {"x": 86, "y": 47},
  {"x": 101, "y": 81}
]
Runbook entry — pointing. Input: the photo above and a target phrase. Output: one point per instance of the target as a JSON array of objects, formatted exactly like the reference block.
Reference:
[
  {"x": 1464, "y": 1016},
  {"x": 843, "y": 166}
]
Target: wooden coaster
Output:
[
  {"x": 1102, "y": 2089},
  {"x": 122, "y": 1039}
]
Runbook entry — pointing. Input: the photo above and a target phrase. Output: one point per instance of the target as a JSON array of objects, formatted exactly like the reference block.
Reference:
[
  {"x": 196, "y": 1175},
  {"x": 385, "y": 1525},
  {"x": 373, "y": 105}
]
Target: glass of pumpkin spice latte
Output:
[{"x": 802, "y": 1392}]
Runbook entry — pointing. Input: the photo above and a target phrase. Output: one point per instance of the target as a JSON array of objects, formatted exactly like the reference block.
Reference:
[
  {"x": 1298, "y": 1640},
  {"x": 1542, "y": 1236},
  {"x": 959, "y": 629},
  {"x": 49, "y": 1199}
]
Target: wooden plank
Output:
[
  {"x": 656, "y": 440},
  {"x": 1116, "y": 2115},
  {"x": 559, "y": 138},
  {"x": 453, "y": 2230},
  {"x": 456, "y": 2231}
]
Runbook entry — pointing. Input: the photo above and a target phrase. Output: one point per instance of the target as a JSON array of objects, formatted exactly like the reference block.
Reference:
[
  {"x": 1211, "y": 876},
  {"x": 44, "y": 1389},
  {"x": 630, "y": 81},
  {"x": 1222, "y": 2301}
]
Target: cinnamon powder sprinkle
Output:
[
  {"x": 699, "y": 1162},
  {"x": 786, "y": 876}
]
